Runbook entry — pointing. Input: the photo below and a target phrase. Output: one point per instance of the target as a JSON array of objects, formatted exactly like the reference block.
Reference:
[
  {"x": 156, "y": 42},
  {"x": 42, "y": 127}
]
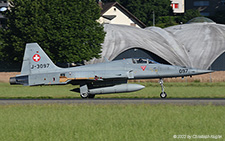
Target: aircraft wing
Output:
[
  {"x": 102, "y": 82},
  {"x": 97, "y": 76}
]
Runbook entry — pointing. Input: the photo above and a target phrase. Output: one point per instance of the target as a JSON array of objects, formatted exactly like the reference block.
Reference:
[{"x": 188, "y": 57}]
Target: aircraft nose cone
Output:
[{"x": 199, "y": 71}]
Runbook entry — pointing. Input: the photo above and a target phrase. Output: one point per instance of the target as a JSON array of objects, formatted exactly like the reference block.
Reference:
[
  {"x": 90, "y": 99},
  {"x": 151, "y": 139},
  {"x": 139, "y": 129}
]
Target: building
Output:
[
  {"x": 178, "y": 6},
  {"x": 114, "y": 13},
  {"x": 206, "y": 7}
]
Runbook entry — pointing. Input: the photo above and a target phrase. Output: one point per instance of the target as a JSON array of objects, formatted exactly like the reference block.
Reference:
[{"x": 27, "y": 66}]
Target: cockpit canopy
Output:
[{"x": 143, "y": 61}]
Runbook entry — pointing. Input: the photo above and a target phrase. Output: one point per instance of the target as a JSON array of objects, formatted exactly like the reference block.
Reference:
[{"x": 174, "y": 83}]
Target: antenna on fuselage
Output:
[{"x": 106, "y": 60}]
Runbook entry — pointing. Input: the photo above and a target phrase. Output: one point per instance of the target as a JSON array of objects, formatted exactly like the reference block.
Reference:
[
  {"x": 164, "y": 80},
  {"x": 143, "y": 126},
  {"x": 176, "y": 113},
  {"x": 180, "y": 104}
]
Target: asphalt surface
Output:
[{"x": 174, "y": 101}]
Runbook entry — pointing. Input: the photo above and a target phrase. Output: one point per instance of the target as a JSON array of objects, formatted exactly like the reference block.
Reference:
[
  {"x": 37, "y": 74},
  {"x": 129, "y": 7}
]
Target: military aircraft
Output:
[{"x": 101, "y": 78}]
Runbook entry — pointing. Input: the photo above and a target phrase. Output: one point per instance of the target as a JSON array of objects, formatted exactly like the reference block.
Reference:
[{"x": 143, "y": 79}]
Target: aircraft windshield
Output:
[{"x": 143, "y": 61}]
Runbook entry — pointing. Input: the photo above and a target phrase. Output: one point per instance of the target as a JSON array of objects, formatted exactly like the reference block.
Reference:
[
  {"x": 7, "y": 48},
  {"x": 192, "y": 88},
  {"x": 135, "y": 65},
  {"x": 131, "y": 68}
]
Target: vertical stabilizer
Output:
[{"x": 35, "y": 60}]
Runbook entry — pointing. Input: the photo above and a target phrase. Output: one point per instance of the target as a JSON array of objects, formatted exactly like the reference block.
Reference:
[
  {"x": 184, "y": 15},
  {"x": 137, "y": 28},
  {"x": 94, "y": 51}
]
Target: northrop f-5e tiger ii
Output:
[{"x": 101, "y": 78}]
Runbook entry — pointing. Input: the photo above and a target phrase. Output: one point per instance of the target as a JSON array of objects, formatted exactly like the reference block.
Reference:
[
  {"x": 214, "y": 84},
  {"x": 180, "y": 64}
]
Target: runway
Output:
[{"x": 153, "y": 101}]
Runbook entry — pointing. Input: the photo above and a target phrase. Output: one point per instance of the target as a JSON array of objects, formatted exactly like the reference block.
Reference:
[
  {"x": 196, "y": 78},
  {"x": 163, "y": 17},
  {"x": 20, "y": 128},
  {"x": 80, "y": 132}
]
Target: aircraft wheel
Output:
[
  {"x": 91, "y": 96},
  {"x": 163, "y": 95},
  {"x": 84, "y": 95}
]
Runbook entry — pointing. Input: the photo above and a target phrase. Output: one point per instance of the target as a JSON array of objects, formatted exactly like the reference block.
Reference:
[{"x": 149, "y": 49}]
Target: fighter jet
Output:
[{"x": 101, "y": 78}]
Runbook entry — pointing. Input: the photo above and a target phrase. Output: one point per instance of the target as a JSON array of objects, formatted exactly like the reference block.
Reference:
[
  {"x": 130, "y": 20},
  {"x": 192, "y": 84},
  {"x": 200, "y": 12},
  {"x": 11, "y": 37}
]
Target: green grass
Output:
[
  {"x": 51, "y": 91},
  {"x": 152, "y": 90},
  {"x": 108, "y": 122},
  {"x": 111, "y": 122}
]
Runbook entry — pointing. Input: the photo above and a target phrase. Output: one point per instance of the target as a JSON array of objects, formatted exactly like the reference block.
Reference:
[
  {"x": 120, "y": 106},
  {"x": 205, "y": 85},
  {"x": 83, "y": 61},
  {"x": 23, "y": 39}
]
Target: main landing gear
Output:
[
  {"x": 163, "y": 93},
  {"x": 84, "y": 92}
]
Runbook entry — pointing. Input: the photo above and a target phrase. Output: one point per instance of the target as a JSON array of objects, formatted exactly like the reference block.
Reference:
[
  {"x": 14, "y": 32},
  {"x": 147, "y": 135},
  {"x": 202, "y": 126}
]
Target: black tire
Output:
[
  {"x": 163, "y": 95},
  {"x": 84, "y": 95},
  {"x": 91, "y": 96}
]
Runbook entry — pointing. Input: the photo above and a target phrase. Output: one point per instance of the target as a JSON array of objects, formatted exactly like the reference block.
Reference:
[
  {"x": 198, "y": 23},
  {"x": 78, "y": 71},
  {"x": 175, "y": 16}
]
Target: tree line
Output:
[
  {"x": 68, "y": 31},
  {"x": 164, "y": 16}
]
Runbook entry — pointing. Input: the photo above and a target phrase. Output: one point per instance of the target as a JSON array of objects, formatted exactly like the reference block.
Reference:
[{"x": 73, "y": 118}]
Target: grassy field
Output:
[
  {"x": 108, "y": 122},
  {"x": 152, "y": 90},
  {"x": 112, "y": 122}
]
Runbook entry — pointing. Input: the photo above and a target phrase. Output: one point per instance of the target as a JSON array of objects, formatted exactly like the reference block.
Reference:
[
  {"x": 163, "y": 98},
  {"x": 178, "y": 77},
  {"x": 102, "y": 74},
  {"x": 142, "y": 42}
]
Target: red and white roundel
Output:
[{"x": 36, "y": 58}]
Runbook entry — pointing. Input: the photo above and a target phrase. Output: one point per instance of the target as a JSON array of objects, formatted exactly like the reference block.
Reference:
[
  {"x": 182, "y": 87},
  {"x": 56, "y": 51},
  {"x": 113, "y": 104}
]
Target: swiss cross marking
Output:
[
  {"x": 143, "y": 67},
  {"x": 36, "y": 58}
]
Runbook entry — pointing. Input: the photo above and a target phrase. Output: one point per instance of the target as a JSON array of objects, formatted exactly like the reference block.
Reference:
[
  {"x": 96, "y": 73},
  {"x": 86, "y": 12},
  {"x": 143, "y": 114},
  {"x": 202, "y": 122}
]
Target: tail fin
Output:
[{"x": 35, "y": 60}]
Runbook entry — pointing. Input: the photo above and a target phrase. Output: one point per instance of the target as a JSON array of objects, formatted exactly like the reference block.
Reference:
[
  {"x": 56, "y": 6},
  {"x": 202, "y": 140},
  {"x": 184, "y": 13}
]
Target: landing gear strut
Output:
[{"x": 163, "y": 93}]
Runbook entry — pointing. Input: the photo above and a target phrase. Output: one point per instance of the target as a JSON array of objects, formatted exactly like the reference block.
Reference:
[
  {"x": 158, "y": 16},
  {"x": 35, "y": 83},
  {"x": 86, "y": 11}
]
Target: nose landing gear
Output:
[{"x": 163, "y": 93}]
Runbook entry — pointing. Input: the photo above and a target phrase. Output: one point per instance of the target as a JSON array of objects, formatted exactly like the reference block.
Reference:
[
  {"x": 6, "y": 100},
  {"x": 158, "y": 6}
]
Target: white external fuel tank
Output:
[{"x": 116, "y": 89}]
